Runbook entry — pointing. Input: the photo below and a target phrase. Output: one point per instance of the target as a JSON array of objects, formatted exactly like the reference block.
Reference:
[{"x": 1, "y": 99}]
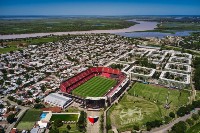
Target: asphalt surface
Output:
[
  {"x": 93, "y": 128},
  {"x": 19, "y": 115}
]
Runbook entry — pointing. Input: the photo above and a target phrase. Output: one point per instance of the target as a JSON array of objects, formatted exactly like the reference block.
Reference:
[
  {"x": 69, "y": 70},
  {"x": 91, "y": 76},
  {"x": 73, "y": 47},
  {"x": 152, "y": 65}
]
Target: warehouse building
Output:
[{"x": 56, "y": 99}]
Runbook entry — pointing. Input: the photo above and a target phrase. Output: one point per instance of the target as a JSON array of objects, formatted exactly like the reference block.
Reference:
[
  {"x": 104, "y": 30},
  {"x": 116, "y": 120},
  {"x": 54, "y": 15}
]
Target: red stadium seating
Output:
[
  {"x": 107, "y": 75},
  {"x": 81, "y": 78},
  {"x": 121, "y": 79}
]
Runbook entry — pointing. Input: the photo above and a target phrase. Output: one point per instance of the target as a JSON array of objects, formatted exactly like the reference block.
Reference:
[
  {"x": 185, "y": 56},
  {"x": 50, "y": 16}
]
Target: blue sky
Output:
[{"x": 99, "y": 7}]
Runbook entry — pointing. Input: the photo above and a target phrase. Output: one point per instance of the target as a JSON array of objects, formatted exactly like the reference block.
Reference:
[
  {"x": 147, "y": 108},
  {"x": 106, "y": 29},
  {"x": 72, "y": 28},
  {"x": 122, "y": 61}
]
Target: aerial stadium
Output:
[{"x": 97, "y": 87}]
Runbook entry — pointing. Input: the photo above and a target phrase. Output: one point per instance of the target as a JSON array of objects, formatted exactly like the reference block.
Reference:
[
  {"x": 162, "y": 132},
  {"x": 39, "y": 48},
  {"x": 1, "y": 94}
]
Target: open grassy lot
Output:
[
  {"x": 64, "y": 117},
  {"x": 144, "y": 103},
  {"x": 95, "y": 87},
  {"x": 21, "y": 26},
  {"x": 158, "y": 94},
  {"x": 72, "y": 109},
  {"x": 29, "y": 119},
  {"x": 178, "y": 26},
  {"x": 34, "y": 41},
  {"x": 12, "y": 45},
  {"x": 8, "y": 49},
  {"x": 194, "y": 129},
  {"x": 133, "y": 111}
]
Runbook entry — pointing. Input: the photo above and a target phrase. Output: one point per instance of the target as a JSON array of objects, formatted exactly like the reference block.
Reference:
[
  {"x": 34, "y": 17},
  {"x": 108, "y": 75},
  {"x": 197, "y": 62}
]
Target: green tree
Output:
[
  {"x": 136, "y": 127},
  {"x": 108, "y": 126},
  {"x": 58, "y": 123},
  {"x": 148, "y": 128},
  {"x": 179, "y": 127},
  {"x": 190, "y": 122},
  {"x": 167, "y": 119},
  {"x": 155, "y": 123},
  {"x": 37, "y": 100},
  {"x": 68, "y": 127},
  {"x": 19, "y": 102},
  {"x": 196, "y": 78},
  {"x": 2, "y": 130},
  {"x": 54, "y": 130},
  {"x": 1, "y": 106},
  {"x": 182, "y": 111},
  {"x": 195, "y": 116},
  {"x": 26, "y": 76},
  {"x": 81, "y": 124},
  {"x": 11, "y": 98},
  {"x": 1, "y": 82},
  {"x": 196, "y": 104},
  {"x": 19, "y": 81},
  {"x": 29, "y": 93},
  {"x": 38, "y": 106},
  {"x": 11, "y": 71},
  {"x": 43, "y": 88},
  {"x": 172, "y": 115},
  {"x": 11, "y": 118}
]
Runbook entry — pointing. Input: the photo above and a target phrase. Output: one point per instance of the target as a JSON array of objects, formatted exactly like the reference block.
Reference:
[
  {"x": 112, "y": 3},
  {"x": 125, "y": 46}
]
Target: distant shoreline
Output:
[{"x": 142, "y": 26}]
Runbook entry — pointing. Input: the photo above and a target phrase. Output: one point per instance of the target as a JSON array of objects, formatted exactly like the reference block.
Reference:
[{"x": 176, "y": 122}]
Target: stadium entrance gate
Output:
[{"x": 95, "y": 102}]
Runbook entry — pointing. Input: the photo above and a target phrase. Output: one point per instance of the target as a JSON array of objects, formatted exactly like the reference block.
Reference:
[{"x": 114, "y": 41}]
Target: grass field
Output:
[
  {"x": 29, "y": 119},
  {"x": 159, "y": 94},
  {"x": 8, "y": 49},
  {"x": 64, "y": 117},
  {"x": 178, "y": 26},
  {"x": 144, "y": 103},
  {"x": 194, "y": 129},
  {"x": 95, "y": 87},
  {"x": 12, "y": 44},
  {"x": 133, "y": 111}
]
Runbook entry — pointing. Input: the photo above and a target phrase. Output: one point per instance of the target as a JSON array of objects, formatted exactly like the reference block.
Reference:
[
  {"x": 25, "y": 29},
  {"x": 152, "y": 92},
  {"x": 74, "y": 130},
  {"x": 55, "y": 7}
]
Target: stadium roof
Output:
[{"x": 95, "y": 98}]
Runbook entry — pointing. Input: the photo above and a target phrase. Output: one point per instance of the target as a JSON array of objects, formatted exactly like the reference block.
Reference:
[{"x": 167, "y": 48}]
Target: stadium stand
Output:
[
  {"x": 107, "y": 75},
  {"x": 79, "y": 79}
]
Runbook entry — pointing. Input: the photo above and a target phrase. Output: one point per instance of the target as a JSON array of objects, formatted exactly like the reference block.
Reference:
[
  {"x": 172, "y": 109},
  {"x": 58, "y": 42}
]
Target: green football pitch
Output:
[
  {"x": 64, "y": 117},
  {"x": 95, "y": 87},
  {"x": 28, "y": 120},
  {"x": 176, "y": 98}
]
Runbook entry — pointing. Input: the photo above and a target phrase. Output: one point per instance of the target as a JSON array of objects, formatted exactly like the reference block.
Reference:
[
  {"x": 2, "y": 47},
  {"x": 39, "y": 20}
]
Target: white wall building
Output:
[
  {"x": 56, "y": 99},
  {"x": 145, "y": 74},
  {"x": 179, "y": 80},
  {"x": 182, "y": 68}
]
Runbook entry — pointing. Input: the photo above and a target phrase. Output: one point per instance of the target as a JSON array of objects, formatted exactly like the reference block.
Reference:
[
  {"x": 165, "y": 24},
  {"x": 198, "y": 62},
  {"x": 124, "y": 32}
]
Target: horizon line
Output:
[{"x": 104, "y": 15}]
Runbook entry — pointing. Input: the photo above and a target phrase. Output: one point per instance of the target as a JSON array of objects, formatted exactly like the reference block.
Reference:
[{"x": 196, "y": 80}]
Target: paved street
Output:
[
  {"x": 93, "y": 128},
  {"x": 19, "y": 115},
  {"x": 165, "y": 128}
]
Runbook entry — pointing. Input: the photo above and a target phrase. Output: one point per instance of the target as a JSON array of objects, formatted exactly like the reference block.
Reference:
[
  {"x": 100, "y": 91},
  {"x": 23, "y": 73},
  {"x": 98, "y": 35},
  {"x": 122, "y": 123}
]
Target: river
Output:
[
  {"x": 155, "y": 34},
  {"x": 142, "y": 26}
]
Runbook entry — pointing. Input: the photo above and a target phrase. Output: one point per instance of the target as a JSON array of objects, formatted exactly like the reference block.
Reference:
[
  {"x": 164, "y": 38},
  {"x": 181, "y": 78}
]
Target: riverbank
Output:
[{"x": 141, "y": 26}]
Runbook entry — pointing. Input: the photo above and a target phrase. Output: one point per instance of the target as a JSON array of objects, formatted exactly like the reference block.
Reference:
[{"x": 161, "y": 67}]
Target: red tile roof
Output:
[{"x": 53, "y": 109}]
